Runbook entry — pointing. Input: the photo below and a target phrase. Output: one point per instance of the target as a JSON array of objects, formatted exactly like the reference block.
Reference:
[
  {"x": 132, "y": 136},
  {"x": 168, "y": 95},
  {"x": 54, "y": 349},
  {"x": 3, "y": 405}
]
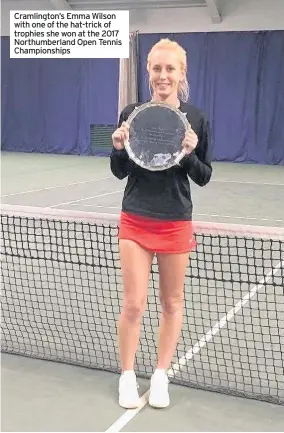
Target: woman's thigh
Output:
[
  {"x": 172, "y": 270},
  {"x": 135, "y": 267}
]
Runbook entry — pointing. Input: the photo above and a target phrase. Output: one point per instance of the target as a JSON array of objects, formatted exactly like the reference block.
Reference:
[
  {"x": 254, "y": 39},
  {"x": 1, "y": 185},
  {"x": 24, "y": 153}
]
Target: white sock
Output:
[
  {"x": 128, "y": 373},
  {"x": 160, "y": 372}
]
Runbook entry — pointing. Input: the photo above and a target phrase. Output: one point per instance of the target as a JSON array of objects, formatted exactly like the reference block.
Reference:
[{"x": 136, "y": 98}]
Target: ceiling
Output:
[
  {"x": 133, "y": 4},
  {"x": 212, "y": 6}
]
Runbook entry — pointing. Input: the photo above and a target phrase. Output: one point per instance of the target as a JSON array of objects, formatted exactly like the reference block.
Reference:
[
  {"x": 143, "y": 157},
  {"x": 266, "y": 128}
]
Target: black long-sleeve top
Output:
[{"x": 165, "y": 194}]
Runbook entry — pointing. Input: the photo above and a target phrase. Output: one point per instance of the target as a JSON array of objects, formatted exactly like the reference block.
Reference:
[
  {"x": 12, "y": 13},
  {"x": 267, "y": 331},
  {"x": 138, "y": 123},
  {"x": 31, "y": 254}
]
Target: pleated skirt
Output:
[{"x": 159, "y": 236}]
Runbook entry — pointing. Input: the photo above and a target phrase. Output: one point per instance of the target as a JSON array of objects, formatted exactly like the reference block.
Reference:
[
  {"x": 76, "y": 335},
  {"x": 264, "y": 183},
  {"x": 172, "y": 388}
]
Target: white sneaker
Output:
[
  {"x": 128, "y": 390},
  {"x": 159, "y": 393}
]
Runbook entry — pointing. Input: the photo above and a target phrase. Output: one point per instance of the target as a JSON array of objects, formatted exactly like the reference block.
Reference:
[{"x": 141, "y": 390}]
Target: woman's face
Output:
[{"x": 165, "y": 73}]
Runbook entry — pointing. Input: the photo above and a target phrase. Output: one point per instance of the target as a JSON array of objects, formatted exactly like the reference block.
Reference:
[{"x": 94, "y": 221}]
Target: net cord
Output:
[{"x": 202, "y": 227}]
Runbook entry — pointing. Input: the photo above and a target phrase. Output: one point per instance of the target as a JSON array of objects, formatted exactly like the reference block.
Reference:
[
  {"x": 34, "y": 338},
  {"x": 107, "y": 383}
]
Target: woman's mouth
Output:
[{"x": 163, "y": 85}]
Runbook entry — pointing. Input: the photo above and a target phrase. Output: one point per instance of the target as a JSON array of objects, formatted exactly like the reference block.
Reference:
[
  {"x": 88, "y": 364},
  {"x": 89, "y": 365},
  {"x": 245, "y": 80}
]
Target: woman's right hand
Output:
[{"x": 120, "y": 135}]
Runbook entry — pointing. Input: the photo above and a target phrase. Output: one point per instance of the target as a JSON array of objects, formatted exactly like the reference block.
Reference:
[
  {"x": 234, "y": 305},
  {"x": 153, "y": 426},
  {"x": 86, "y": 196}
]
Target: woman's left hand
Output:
[{"x": 190, "y": 141}]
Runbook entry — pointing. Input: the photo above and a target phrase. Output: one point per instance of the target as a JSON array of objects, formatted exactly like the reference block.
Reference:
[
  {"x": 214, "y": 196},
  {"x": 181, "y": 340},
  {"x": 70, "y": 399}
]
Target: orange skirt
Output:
[{"x": 157, "y": 235}]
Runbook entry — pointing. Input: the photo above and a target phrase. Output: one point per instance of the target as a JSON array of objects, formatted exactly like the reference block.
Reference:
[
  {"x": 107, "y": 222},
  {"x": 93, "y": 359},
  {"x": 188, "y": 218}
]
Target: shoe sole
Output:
[
  {"x": 158, "y": 406},
  {"x": 128, "y": 406}
]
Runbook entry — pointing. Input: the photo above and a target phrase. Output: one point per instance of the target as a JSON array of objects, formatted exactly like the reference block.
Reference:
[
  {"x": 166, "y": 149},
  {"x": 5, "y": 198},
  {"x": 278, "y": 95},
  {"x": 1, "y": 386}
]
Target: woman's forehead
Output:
[{"x": 165, "y": 57}]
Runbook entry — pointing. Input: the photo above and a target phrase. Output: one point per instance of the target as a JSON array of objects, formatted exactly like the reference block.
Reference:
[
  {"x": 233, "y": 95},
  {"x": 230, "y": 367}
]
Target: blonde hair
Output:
[{"x": 167, "y": 44}]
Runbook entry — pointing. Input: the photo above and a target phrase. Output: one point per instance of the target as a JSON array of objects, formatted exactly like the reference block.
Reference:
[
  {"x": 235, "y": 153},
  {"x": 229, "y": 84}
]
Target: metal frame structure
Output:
[{"x": 213, "y": 6}]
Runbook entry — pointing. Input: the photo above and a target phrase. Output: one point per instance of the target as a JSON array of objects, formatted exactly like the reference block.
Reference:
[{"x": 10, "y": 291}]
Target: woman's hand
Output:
[
  {"x": 120, "y": 135},
  {"x": 189, "y": 142}
]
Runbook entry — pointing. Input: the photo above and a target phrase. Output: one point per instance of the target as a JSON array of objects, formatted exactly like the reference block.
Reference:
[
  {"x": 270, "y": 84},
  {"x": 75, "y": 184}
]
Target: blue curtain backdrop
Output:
[
  {"x": 237, "y": 78},
  {"x": 49, "y": 104}
]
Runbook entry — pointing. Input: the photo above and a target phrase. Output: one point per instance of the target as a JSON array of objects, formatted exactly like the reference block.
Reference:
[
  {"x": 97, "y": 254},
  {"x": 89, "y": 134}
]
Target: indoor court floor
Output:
[
  {"x": 39, "y": 395},
  {"x": 237, "y": 193}
]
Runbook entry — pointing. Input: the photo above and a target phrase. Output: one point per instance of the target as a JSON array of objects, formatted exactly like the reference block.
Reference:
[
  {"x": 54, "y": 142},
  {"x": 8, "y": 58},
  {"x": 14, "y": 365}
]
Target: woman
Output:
[{"x": 156, "y": 219}]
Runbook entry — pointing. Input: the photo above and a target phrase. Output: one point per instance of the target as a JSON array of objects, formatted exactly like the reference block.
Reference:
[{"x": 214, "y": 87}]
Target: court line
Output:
[
  {"x": 224, "y": 320},
  {"x": 199, "y": 214},
  {"x": 111, "y": 177},
  {"x": 247, "y": 182},
  {"x": 87, "y": 198},
  {"x": 56, "y": 186},
  {"x": 238, "y": 217},
  {"x": 129, "y": 414}
]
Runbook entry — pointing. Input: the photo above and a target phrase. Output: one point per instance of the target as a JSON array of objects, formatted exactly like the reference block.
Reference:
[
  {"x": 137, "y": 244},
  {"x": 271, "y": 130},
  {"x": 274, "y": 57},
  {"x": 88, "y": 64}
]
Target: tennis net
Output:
[{"x": 62, "y": 292}]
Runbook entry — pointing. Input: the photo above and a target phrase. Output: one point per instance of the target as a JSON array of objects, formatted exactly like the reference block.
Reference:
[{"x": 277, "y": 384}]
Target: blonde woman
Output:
[{"x": 156, "y": 218}]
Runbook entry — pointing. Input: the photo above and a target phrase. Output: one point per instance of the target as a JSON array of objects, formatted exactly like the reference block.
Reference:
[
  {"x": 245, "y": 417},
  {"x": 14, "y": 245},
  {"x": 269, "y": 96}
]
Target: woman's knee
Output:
[
  {"x": 133, "y": 310},
  {"x": 171, "y": 304}
]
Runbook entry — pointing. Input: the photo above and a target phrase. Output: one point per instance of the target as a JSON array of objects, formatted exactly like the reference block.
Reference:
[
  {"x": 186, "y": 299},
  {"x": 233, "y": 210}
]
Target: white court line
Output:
[
  {"x": 121, "y": 422},
  {"x": 237, "y": 217},
  {"x": 56, "y": 186},
  {"x": 248, "y": 182},
  {"x": 128, "y": 415},
  {"x": 94, "y": 206},
  {"x": 111, "y": 177},
  {"x": 87, "y": 198},
  {"x": 199, "y": 214},
  {"x": 216, "y": 328}
]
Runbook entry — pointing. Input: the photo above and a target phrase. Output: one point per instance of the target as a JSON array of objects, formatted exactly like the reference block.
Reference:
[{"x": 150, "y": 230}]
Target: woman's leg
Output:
[
  {"x": 135, "y": 266},
  {"x": 172, "y": 269}
]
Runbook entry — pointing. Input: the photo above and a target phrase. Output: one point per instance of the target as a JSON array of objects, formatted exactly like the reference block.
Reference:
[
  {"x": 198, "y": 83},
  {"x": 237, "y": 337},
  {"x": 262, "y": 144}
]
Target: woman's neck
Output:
[{"x": 171, "y": 100}]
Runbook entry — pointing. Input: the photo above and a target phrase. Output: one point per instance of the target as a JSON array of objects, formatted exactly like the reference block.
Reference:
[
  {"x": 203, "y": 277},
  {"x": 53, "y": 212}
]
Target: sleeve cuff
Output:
[
  {"x": 120, "y": 153},
  {"x": 188, "y": 160}
]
